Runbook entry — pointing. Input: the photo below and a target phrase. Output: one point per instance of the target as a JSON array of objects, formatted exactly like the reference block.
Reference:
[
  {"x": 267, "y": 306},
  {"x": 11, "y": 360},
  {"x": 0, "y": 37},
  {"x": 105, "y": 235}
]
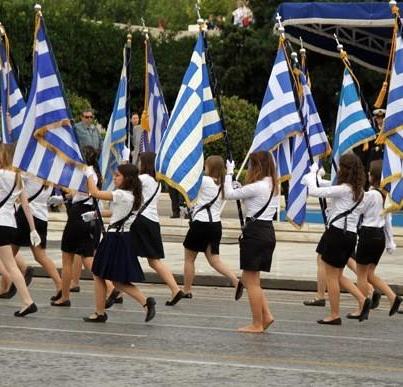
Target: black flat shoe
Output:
[
  {"x": 28, "y": 310},
  {"x": 57, "y": 296},
  {"x": 239, "y": 290},
  {"x": 188, "y": 295},
  {"x": 395, "y": 306},
  {"x": 10, "y": 293},
  {"x": 150, "y": 304},
  {"x": 29, "y": 273},
  {"x": 365, "y": 310},
  {"x": 100, "y": 318},
  {"x": 376, "y": 297},
  {"x": 353, "y": 316},
  {"x": 336, "y": 321},
  {"x": 64, "y": 303},
  {"x": 75, "y": 289},
  {"x": 176, "y": 299},
  {"x": 119, "y": 300},
  {"x": 315, "y": 302},
  {"x": 111, "y": 299}
]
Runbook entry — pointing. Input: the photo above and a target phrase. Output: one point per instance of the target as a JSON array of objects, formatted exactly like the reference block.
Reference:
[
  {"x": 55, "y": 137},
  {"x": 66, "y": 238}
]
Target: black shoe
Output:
[
  {"x": 75, "y": 289},
  {"x": 376, "y": 297},
  {"x": 315, "y": 302},
  {"x": 353, "y": 316},
  {"x": 57, "y": 296},
  {"x": 119, "y": 300},
  {"x": 239, "y": 290},
  {"x": 395, "y": 306},
  {"x": 28, "y": 310},
  {"x": 188, "y": 295},
  {"x": 150, "y": 304},
  {"x": 175, "y": 216},
  {"x": 64, "y": 303},
  {"x": 100, "y": 318},
  {"x": 29, "y": 273},
  {"x": 111, "y": 299},
  {"x": 176, "y": 299},
  {"x": 365, "y": 310},
  {"x": 336, "y": 321},
  {"x": 10, "y": 293}
]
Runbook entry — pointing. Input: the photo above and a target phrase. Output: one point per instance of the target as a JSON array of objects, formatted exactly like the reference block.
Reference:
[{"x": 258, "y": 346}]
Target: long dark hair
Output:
[
  {"x": 351, "y": 171},
  {"x": 147, "y": 163},
  {"x": 216, "y": 169},
  {"x": 91, "y": 158},
  {"x": 375, "y": 173},
  {"x": 261, "y": 165},
  {"x": 131, "y": 182}
]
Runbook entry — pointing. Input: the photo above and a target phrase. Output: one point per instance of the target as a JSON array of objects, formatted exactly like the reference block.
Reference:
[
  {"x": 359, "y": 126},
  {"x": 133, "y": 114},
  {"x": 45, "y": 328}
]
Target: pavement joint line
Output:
[
  {"x": 70, "y": 331},
  {"x": 177, "y": 361}
]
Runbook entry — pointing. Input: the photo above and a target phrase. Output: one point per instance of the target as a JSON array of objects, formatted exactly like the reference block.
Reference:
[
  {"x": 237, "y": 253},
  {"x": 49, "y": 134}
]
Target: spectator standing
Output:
[{"x": 87, "y": 133}]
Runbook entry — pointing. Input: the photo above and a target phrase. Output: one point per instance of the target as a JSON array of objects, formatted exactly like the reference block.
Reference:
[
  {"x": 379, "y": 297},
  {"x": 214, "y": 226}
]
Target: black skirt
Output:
[
  {"x": 338, "y": 246},
  {"x": 147, "y": 238},
  {"x": 203, "y": 234},
  {"x": 116, "y": 260},
  {"x": 321, "y": 245},
  {"x": 371, "y": 245},
  {"x": 256, "y": 245},
  {"x": 79, "y": 237},
  {"x": 22, "y": 238},
  {"x": 7, "y": 235}
]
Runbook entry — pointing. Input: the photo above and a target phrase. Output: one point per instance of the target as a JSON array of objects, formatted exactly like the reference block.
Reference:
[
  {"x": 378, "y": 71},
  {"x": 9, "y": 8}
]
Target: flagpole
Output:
[
  {"x": 216, "y": 94},
  {"x": 128, "y": 58}
]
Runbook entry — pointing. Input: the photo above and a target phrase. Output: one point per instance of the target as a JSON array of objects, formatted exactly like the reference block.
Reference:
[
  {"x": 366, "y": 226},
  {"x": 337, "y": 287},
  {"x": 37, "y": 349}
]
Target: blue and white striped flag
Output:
[
  {"x": 12, "y": 108},
  {"x": 352, "y": 125},
  {"x": 47, "y": 146},
  {"x": 114, "y": 142},
  {"x": 319, "y": 145},
  {"x": 157, "y": 111},
  {"x": 194, "y": 120},
  {"x": 278, "y": 117},
  {"x": 283, "y": 157},
  {"x": 394, "y": 109}
]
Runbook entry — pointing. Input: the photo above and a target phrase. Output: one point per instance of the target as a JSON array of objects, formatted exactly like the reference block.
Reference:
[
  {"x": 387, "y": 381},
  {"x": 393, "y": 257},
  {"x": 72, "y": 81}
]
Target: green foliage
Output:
[
  {"x": 240, "y": 119},
  {"x": 77, "y": 104}
]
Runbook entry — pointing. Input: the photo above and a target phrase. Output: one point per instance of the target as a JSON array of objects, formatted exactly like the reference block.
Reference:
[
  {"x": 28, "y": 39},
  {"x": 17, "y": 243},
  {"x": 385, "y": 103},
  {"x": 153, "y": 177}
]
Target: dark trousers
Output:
[{"x": 176, "y": 201}]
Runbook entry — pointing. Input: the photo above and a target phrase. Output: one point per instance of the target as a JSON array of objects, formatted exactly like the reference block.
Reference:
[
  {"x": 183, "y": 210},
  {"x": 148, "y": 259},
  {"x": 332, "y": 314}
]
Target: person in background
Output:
[
  {"x": 136, "y": 137},
  {"x": 87, "y": 133}
]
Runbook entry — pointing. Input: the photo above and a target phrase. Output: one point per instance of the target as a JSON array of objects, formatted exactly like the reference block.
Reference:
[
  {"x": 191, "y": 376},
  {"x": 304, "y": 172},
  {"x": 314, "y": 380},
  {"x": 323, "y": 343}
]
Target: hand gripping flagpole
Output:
[{"x": 216, "y": 91}]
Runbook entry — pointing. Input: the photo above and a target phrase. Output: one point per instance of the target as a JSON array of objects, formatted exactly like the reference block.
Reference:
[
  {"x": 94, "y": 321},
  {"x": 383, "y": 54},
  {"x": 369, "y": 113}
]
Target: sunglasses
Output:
[{"x": 88, "y": 116}]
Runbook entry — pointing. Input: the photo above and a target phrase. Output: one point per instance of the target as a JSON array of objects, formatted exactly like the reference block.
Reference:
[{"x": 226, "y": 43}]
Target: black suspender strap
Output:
[
  {"x": 345, "y": 214},
  {"x": 263, "y": 209},
  {"x": 35, "y": 195},
  {"x": 4, "y": 201},
  {"x": 207, "y": 207}
]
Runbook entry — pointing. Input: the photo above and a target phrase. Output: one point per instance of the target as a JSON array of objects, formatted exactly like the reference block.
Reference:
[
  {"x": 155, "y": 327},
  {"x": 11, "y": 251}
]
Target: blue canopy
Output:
[{"x": 364, "y": 29}]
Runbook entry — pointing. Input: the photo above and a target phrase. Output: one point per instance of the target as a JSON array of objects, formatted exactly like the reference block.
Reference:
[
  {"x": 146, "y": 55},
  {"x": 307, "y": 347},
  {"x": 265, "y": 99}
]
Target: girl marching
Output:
[
  {"x": 205, "y": 230},
  {"x": 257, "y": 242},
  {"x": 146, "y": 228},
  {"x": 116, "y": 259}
]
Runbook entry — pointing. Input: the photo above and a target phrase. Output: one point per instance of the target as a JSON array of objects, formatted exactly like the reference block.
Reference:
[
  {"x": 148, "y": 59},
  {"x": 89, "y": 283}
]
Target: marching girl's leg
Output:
[
  {"x": 28, "y": 306},
  {"x": 349, "y": 285},
  {"x": 7, "y": 288},
  {"x": 189, "y": 272},
  {"x": 216, "y": 263},
  {"x": 333, "y": 275},
  {"x": 67, "y": 267},
  {"x": 75, "y": 279}
]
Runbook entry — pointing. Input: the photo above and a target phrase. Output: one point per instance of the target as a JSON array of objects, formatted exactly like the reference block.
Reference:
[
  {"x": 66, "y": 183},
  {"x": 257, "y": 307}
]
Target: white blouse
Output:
[
  {"x": 208, "y": 191},
  {"x": 341, "y": 201},
  {"x": 254, "y": 197},
  {"x": 149, "y": 185},
  {"x": 79, "y": 196},
  {"x": 7, "y": 211},
  {"x": 121, "y": 205}
]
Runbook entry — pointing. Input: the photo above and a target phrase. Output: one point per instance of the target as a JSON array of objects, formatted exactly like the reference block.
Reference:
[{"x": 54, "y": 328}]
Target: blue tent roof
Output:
[{"x": 364, "y": 29}]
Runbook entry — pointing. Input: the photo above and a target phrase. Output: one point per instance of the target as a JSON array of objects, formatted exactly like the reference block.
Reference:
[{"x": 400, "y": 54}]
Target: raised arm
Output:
[
  {"x": 93, "y": 189},
  {"x": 334, "y": 191}
]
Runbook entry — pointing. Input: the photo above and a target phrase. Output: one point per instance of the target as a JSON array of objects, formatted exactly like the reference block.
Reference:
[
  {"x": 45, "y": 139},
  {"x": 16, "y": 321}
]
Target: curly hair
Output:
[
  {"x": 351, "y": 172},
  {"x": 131, "y": 182}
]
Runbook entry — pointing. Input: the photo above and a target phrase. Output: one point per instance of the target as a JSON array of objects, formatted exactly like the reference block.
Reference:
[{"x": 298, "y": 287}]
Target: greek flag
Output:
[
  {"x": 194, "y": 120},
  {"x": 319, "y": 147},
  {"x": 47, "y": 146},
  {"x": 157, "y": 111},
  {"x": 352, "y": 125},
  {"x": 278, "y": 117},
  {"x": 283, "y": 157},
  {"x": 12, "y": 108},
  {"x": 112, "y": 147},
  {"x": 394, "y": 111}
]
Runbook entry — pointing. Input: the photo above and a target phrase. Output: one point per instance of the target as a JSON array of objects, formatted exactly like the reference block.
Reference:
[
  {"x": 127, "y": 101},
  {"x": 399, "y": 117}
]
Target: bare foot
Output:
[
  {"x": 266, "y": 324},
  {"x": 251, "y": 329}
]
